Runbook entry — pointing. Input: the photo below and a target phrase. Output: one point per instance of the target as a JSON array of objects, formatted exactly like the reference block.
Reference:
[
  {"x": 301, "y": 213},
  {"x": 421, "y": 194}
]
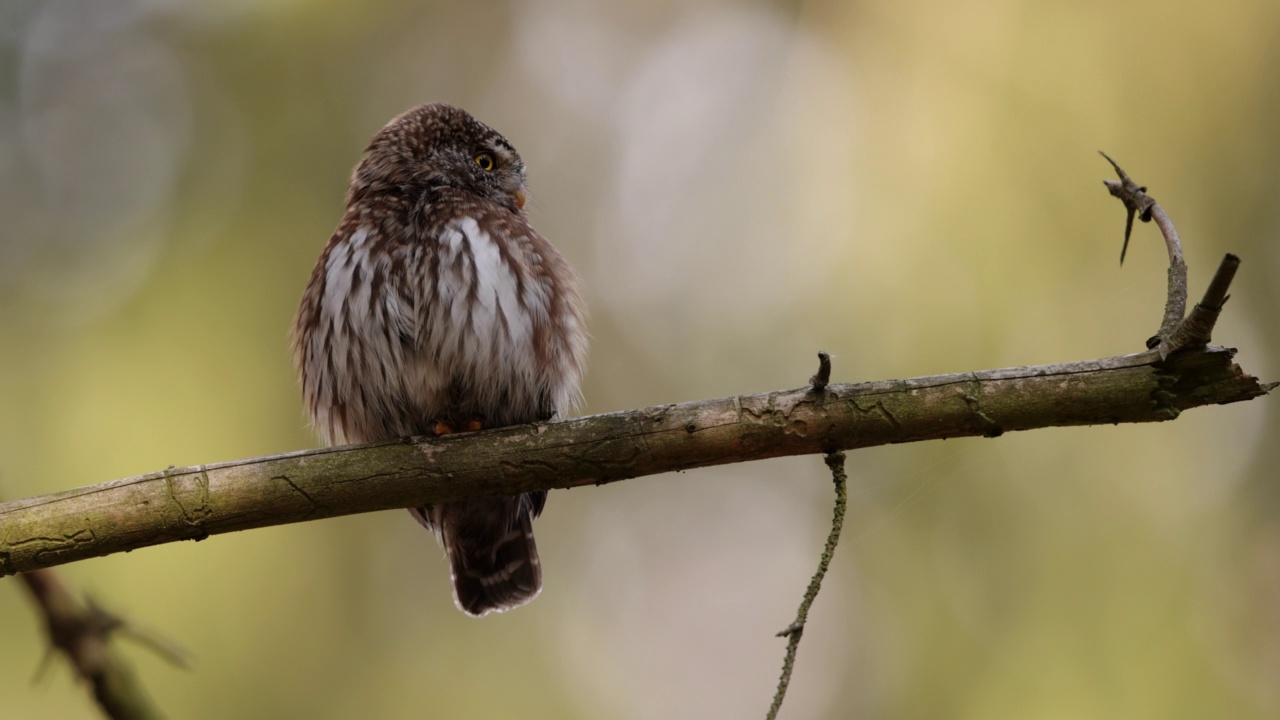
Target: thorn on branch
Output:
[
  {"x": 795, "y": 630},
  {"x": 821, "y": 378},
  {"x": 1134, "y": 197}
]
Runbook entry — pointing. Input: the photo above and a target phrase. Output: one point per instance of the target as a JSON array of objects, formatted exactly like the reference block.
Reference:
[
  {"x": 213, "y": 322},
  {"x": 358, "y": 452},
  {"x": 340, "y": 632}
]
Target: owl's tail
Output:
[{"x": 492, "y": 554}]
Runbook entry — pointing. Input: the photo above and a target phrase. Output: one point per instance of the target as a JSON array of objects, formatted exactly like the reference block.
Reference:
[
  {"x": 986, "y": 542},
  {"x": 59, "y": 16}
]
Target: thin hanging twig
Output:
[{"x": 795, "y": 630}]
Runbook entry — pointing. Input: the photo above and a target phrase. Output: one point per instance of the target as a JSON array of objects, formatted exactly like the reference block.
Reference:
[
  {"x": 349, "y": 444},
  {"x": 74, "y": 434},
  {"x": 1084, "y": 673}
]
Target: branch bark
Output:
[{"x": 192, "y": 503}]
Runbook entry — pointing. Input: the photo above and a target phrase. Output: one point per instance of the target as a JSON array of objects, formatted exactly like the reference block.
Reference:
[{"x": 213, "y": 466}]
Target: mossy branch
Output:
[{"x": 191, "y": 503}]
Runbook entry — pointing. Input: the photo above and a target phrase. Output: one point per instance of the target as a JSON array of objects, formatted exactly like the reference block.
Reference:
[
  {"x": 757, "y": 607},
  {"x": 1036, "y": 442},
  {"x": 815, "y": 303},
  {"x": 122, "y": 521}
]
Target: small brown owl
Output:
[{"x": 435, "y": 308}]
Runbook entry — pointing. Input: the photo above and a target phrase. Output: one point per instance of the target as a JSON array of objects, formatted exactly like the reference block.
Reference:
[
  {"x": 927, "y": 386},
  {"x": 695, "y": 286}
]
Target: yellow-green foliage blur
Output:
[{"x": 913, "y": 187}]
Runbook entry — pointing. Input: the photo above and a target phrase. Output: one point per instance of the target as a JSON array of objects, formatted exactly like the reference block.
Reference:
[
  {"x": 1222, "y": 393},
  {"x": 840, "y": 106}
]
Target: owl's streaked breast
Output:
[{"x": 495, "y": 332}]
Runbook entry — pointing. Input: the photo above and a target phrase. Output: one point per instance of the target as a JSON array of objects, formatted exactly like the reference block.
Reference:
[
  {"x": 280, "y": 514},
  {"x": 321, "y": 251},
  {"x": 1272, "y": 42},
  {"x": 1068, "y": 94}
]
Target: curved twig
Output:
[{"x": 1138, "y": 202}]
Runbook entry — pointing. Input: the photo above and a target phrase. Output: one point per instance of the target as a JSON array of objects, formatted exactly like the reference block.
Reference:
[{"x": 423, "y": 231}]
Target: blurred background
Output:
[{"x": 913, "y": 187}]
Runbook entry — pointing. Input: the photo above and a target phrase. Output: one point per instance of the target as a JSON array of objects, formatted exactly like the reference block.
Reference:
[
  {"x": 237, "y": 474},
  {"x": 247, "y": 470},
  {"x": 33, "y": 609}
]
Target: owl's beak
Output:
[{"x": 519, "y": 196}]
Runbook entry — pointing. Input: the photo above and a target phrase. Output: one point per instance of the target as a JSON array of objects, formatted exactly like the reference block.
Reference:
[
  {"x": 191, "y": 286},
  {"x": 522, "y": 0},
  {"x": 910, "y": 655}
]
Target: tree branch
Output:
[{"x": 192, "y": 503}]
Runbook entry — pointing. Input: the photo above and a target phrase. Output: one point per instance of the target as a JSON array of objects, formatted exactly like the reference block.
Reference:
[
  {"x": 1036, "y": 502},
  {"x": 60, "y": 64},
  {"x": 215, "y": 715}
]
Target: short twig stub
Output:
[
  {"x": 823, "y": 376},
  {"x": 1197, "y": 329}
]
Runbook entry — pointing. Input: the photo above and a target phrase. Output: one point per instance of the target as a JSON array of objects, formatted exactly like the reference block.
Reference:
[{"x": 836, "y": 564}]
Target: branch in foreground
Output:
[
  {"x": 194, "y": 502},
  {"x": 81, "y": 631}
]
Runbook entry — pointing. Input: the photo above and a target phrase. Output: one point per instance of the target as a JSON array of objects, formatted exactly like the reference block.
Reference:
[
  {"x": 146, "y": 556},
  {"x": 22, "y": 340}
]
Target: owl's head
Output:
[{"x": 436, "y": 146}]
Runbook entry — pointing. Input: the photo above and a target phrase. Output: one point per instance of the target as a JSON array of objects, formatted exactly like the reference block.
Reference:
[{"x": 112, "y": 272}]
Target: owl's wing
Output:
[{"x": 353, "y": 334}]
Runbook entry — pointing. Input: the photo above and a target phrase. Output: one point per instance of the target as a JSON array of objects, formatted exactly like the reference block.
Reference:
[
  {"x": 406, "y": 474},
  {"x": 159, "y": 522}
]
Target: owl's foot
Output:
[{"x": 444, "y": 428}]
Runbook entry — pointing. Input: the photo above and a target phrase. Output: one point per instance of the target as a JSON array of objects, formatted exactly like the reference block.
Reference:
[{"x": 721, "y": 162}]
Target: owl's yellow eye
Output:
[{"x": 485, "y": 161}]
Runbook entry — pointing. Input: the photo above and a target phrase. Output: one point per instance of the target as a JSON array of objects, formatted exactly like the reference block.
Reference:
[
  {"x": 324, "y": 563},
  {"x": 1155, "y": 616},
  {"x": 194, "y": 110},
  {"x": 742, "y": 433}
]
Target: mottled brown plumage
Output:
[{"x": 434, "y": 305}]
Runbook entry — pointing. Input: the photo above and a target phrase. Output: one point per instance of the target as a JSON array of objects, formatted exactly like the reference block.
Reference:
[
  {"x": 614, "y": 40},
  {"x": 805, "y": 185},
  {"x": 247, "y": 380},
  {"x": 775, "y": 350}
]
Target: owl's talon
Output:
[{"x": 443, "y": 428}]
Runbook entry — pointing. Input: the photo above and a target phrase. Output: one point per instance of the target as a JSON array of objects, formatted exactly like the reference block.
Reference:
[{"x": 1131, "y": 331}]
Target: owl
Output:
[{"x": 436, "y": 308}]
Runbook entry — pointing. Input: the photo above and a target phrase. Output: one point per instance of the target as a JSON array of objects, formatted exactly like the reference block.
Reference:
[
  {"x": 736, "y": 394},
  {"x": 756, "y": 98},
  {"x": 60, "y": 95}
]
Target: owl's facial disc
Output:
[{"x": 441, "y": 146}]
